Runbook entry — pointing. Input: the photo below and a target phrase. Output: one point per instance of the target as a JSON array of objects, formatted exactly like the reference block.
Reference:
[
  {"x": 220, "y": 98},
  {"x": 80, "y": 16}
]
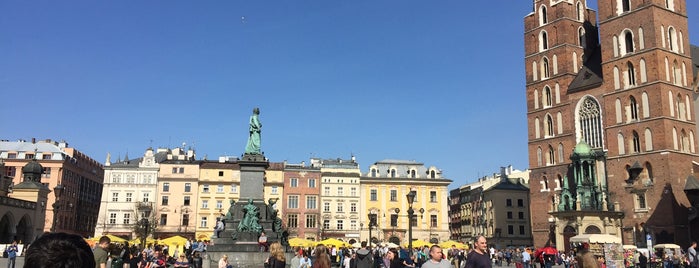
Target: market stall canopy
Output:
[
  {"x": 595, "y": 238},
  {"x": 174, "y": 240},
  {"x": 629, "y": 247},
  {"x": 419, "y": 243},
  {"x": 300, "y": 242},
  {"x": 671, "y": 246},
  {"x": 448, "y": 244},
  {"x": 113, "y": 238},
  {"x": 333, "y": 242}
]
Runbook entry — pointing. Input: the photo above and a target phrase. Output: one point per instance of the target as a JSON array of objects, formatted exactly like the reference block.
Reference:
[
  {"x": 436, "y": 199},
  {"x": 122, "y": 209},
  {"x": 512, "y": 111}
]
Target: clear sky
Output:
[{"x": 439, "y": 82}]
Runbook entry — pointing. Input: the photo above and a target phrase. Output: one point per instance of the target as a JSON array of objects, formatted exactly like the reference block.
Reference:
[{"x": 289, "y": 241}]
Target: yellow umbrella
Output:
[
  {"x": 333, "y": 242},
  {"x": 174, "y": 243},
  {"x": 300, "y": 242},
  {"x": 448, "y": 244},
  {"x": 419, "y": 243},
  {"x": 137, "y": 241}
]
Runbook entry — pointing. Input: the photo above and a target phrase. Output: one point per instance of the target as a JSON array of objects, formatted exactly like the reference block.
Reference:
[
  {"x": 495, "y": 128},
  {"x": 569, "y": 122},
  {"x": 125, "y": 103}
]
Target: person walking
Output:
[
  {"x": 526, "y": 258},
  {"x": 296, "y": 260},
  {"x": 321, "y": 258},
  {"x": 478, "y": 257},
  {"x": 436, "y": 259},
  {"x": 364, "y": 257},
  {"x": 692, "y": 255},
  {"x": 517, "y": 258},
  {"x": 100, "y": 252},
  {"x": 11, "y": 254}
]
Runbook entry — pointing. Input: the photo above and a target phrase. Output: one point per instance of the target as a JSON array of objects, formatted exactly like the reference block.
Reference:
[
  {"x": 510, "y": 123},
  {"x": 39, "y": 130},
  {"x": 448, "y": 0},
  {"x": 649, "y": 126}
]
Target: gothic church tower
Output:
[{"x": 626, "y": 97}]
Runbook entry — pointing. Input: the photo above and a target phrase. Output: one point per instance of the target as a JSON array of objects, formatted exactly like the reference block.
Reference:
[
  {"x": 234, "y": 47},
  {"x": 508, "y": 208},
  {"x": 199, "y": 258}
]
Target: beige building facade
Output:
[
  {"x": 177, "y": 195},
  {"x": 127, "y": 184},
  {"x": 339, "y": 199},
  {"x": 219, "y": 184}
]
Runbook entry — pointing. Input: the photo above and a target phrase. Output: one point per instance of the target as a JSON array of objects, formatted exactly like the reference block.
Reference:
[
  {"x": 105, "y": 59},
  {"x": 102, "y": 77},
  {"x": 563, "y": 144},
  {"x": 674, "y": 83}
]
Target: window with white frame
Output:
[
  {"x": 340, "y": 191},
  {"x": 234, "y": 188},
  {"x": 326, "y": 190},
  {"x": 205, "y": 188},
  {"x": 641, "y": 201},
  {"x": 311, "y": 202},
  {"x": 433, "y": 196},
  {"x": 115, "y": 197},
  {"x": 187, "y": 187},
  {"x": 293, "y": 201},
  {"x": 112, "y": 218},
  {"x": 292, "y": 221},
  {"x": 340, "y": 207},
  {"x": 204, "y": 222},
  {"x": 219, "y": 188},
  {"x": 166, "y": 187},
  {"x": 311, "y": 220},
  {"x": 394, "y": 195},
  {"x": 275, "y": 190},
  {"x": 127, "y": 218},
  {"x": 340, "y": 224},
  {"x": 294, "y": 182},
  {"x": 311, "y": 183},
  {"x": 205, "y": 204},
  {"x": 219, "y": 204},
  {"x": 145, "y": 197},
  {"x": 353, "y": 191},
  {"x": 353, "y": 207},
  {"x": 373, "y": 195},
  {"x": 129, "y": 197},
  {"x": 353, "y": 225},
  {"x": 326, "y": 207}
]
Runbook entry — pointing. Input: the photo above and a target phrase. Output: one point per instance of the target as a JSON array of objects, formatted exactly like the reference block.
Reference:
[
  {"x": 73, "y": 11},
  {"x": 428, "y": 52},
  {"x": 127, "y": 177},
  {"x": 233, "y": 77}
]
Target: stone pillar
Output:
[{"x": 252, "y": 176}]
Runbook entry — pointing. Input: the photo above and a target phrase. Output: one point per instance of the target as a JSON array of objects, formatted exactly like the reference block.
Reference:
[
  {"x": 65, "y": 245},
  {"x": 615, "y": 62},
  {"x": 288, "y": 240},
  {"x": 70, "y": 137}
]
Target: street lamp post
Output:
[
  {"x": 145, "y": 223},
  {"x": 411, "y": 212},
  {"x": 58, "y": 192},
  {"x": 371, "y": 224}
]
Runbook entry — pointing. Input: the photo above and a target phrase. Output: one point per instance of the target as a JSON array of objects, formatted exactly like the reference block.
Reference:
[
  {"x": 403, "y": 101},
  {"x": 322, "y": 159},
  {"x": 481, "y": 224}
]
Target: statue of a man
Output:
[
  {"x": 253, "y": 146},
  {"x": 229, "y": 215},
  {"x": 251, "y": 218}
]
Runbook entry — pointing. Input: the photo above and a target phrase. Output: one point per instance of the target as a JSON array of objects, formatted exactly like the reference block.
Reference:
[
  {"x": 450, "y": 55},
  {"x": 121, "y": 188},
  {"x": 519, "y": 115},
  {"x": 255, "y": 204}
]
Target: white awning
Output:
[{"x": 595, "y": 238}]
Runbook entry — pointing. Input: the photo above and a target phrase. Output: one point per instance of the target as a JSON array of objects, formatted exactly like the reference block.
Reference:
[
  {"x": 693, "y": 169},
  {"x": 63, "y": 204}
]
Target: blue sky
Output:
[{"x": 440, "y": 82}]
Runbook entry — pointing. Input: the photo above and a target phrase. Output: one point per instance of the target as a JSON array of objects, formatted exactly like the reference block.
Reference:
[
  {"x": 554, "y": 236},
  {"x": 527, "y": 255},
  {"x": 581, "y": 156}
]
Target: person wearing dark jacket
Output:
[{"x": 364, "y": 257}]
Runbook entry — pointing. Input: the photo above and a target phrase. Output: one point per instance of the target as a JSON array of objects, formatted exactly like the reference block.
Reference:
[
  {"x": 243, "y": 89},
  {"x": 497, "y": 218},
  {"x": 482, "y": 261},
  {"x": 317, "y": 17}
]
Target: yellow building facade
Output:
[
  {"x": 384, "y": 189},
  {"x": 219, "y": 184}
]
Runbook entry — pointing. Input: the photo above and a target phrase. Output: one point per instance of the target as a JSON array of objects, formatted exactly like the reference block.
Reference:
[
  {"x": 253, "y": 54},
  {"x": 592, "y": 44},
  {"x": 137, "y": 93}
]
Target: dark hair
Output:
[
  {"x": 105, "y": 239},
  {"x": 59, "y": 250}
]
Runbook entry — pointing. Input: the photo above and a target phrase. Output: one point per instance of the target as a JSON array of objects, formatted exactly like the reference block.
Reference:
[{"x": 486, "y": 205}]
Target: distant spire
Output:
[{"x": 126, "y": 157}]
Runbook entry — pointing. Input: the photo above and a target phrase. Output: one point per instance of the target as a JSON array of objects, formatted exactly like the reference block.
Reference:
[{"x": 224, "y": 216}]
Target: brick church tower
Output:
[{"x": 611, "y": 132}]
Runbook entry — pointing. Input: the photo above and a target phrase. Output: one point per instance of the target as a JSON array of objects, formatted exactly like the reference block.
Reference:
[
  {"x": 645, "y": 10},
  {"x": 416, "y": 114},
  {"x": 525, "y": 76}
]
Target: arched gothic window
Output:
[
  {"x": 633, "y": 105},
  {"x": 589, "y": 123},
  {"x": 628, "y": 40},
  {"x": 625, "y": 5},
  {"x": 631, "y": 74},
  {"x": 636, "y": 143},
  {"x": 543, "y": 19}
]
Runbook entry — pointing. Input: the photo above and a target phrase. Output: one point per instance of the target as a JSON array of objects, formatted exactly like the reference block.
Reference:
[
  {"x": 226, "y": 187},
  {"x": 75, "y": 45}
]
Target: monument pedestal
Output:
[{"x": 252, "y": 176}]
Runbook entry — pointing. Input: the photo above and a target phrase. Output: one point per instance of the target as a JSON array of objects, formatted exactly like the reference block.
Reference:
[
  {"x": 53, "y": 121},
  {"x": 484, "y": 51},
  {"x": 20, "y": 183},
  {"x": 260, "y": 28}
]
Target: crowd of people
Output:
[{"x": 69, "y": 250}]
